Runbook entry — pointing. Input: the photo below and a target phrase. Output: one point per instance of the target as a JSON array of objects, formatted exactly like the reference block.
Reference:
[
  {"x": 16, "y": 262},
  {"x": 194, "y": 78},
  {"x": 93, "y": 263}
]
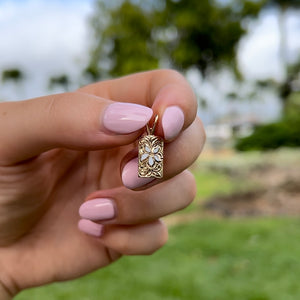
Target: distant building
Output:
[{"x": 222, "y": 133}]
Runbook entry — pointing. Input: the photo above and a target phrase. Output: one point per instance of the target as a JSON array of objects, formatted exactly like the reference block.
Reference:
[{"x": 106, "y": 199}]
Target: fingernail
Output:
[
  {"x": 126, "y": 117},
  {"x": 99, "y": 209},
  {"x": 90, "y": 227},
  {"x": 172, "y": 122},
  {"x": 130, "y": 175}
]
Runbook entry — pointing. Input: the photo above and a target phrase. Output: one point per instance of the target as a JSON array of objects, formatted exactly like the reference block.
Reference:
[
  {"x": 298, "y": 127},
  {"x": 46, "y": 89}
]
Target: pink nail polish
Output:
[
  {"x": 99, "y": 209},
  {"x": 172, "y": 122},
  {"x": 125, "y": 118},
  {"x": 130, "y": 175},
  {"x": 90, "y": 227}
]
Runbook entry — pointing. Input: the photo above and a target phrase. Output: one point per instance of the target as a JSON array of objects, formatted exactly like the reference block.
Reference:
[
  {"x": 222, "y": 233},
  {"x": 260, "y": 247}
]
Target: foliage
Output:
[
  {"x": 131, "y": 36},
  {"x": 284, "y": 3},
  {"x": 208, "y": 32},
  {"x": 288, "y": 86},
  {"x": 13, "y": 74},
  {"x": 293, "y": 106},
  {"x": 285, "y": 133},
  {"x": 60, "y": 80},
  {"x": 123, "y": 43}
]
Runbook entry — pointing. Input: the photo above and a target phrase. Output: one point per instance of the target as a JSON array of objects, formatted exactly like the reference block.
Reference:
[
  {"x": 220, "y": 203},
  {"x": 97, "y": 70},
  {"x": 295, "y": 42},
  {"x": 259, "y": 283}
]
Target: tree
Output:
[
  {"x": 123, "y": 44},
  {"x": 60, "y": 80},
  {"x": 283, "y": 6},
  {"x": 130, "y": 36},
  {"x": 208, "y": 32},
  {"x": 14, "y": 74},
  {"x": 286, "y": 87}
]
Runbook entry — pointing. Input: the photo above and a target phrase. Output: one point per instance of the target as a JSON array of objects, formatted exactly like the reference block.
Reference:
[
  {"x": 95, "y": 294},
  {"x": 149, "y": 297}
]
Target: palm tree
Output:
[
  {"x": 14, "y": 75},
  {"x": 59, "y": 81},
  {"x": 283, "y": 6}
]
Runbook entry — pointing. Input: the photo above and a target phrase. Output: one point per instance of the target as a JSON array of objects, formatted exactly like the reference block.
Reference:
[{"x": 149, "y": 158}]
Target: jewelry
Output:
[{"x": 151, "y": 149}]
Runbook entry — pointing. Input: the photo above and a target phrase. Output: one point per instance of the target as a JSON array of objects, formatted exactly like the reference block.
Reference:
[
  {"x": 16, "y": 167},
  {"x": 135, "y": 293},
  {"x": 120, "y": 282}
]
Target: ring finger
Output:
[{"x": 123, "y": 206}]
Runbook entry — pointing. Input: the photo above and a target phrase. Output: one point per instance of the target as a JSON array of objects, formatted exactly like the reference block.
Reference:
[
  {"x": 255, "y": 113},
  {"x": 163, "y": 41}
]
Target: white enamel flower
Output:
[{"x": 151, "y": 155}]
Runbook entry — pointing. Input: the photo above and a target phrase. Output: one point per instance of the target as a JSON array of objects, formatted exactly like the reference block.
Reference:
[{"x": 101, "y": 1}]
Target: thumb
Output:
[{"x": 71, "y": 120}]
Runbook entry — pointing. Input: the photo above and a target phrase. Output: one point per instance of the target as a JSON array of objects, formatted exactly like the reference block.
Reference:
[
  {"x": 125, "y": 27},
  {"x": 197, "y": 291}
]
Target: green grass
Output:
[
  {"x": 223, "y": 176},
  {"x": 211, "y": 183},
  {"x": 209, "y": 259},
  {"x": 220, "y": 178}
]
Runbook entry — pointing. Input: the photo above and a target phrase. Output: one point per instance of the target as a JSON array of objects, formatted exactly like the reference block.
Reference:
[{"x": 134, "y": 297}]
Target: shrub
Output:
[{"x": 285, "y": 133}]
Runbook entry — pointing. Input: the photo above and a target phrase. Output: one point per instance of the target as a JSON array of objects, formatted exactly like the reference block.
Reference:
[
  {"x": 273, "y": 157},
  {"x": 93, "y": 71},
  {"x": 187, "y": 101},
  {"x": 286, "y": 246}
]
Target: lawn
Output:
[
  {"x": 255, "y": 259},
  {"x": 206, "y": 258}
]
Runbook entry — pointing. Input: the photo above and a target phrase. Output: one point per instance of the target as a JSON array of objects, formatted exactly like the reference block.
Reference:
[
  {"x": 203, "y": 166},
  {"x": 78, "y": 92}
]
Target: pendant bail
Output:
[{"x": 151, "y": 130}]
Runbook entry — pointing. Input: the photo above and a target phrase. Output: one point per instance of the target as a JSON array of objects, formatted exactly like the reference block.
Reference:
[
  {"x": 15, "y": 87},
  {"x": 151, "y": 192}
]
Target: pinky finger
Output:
[{"x": 142, "y": 239}]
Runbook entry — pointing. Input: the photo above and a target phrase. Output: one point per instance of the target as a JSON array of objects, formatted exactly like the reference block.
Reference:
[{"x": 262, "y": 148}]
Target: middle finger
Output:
[{"x": 178, "y": 156}]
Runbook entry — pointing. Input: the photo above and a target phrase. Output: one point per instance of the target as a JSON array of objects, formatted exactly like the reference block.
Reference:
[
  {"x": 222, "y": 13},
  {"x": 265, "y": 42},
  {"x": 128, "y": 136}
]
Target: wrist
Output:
[{"x": 4, "y": 294}]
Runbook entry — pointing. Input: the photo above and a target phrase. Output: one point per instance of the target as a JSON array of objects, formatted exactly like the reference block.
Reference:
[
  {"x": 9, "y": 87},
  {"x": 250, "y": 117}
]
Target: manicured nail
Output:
[
  {"x": 125, "y": 118},
  {"x": 99, "y": 209},
  {"x": 90, "y": 227},
  {"x": 130, "y": 175},
  {"x": 172, "y": 122}
]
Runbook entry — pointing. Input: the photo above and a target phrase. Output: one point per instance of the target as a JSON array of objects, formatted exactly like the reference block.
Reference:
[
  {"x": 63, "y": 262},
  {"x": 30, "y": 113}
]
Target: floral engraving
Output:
[{"x": 151, "y": 156}]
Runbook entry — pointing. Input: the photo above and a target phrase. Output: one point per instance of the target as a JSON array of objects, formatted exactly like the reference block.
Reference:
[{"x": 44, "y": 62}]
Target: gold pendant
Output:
[{"x": 151, "y": 150}]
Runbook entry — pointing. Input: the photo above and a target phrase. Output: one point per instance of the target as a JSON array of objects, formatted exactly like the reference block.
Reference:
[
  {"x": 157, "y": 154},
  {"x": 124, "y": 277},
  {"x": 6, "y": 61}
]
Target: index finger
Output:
[{"x": 166, "y": 91}]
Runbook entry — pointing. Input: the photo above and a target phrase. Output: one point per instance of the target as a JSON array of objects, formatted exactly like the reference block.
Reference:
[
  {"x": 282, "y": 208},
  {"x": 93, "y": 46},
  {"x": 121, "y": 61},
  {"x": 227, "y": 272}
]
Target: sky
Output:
[
  {"x": 43, "y": 38},
  {"x": 49, "y": 38}
]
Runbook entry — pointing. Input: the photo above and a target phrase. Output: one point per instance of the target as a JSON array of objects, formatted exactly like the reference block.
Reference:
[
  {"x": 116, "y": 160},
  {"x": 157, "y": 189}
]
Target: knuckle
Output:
[
  {"x": 4, "y": 155},
  {"x": 202, "y": 131},
  {"x": 52, "y": 107},
  {"x": 172, "y": 73},
  {"x": 162, "y": 238},
  {"x": 189, "y": 188},
  {"x": 199, "y": 135},
  {"x": 124, "y": 244},
  {"x": 127, "y": 215}
]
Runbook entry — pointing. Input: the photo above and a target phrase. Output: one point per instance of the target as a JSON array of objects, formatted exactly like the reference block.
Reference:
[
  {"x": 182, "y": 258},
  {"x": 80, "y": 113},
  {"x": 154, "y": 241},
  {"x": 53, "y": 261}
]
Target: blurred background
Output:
[{"x": 240, "y": 239}]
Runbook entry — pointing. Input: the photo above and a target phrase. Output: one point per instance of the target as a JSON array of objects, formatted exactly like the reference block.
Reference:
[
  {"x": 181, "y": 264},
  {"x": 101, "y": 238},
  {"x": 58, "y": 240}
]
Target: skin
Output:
[{"x": 55, "y": 154}]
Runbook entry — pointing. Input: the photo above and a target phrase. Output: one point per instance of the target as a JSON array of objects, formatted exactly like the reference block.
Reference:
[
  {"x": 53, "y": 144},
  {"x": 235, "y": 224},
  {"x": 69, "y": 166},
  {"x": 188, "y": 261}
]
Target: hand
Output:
[{"x": 59, "y": 150}]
